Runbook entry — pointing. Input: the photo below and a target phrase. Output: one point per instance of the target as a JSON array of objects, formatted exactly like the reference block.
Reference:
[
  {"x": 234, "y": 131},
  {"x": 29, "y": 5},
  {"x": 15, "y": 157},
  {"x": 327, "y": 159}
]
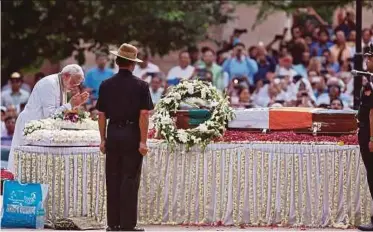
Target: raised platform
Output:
[{"x": 230, "y": 183}]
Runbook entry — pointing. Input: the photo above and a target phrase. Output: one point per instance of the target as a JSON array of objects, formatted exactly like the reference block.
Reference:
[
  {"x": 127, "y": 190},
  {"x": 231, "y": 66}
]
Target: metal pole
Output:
[{"x": 358, "y": 59}]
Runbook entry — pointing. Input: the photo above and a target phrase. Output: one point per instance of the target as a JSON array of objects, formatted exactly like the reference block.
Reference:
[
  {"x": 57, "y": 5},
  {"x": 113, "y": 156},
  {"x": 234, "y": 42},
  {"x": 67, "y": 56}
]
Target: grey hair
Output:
[{"x": 73, "y": 69}]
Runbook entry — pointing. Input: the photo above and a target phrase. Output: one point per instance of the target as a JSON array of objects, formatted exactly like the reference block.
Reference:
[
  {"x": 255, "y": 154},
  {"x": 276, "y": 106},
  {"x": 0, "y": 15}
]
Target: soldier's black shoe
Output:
[
  {"x": 113, "y": 228},
  {"x": 368, "y": 227},
  {"x": 133, "y": 229}
]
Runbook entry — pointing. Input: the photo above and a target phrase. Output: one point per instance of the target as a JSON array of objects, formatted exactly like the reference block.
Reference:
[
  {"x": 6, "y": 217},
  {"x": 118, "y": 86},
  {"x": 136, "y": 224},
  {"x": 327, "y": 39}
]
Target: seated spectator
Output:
[
  {"x": 267, "y": 95},
  {"x": 308, "y": 39},
  {"x": 323, "y": 43},
  {"x": 11, "y": 110},
  {"x": 347, "y": 78},
  {"x": 297, "y": 44},
  {"x": 265, "y": 64},
  {"x": 244, "y": 100},
  {"x": 334, "y": 92},
  {"x": 183, "y": 71},
  {"x": 16, "y": 75},
  {"x": 312, "y": 74},
  {"x": 155, "y": 88},
  {"x": 7, "y": 134},
  {"x": 240, "y": 65},
  {"x": 285, "y": 67},
  {"x": 329, "y": 64},
  {"x": 319, "y": 86},
  {"x": 15, "y": 95},
  {"x": 97, "y": 75},
  {"x": 346, "y": 98},
  {"x": 301, "y": 68},
  {"x": 208, "y": 64},
  {"x": 142, "y": 70},
  {"x": 288, "y": 88},
  {"x": 367, "y": 38},
  {"x": 305, "y": 97},
  {"x": 346, "y": 24},
  {"x": 351, "y": 39},
  {"x": 336, "y": 104},
  {"x": 340, "y": 50},
  {"x": 315, "y": 65}
]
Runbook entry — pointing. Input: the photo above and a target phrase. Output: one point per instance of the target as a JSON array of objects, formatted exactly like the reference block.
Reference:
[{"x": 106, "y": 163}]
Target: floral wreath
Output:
[{"x": 202, "y": 135}]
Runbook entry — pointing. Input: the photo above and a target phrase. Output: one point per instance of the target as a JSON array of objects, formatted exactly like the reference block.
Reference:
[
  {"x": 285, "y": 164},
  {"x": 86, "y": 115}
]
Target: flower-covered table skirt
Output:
[
  {"x": 255, "y": 184},
  {"x": 75, "y": 176},
  {"x": 230, "y": 183}
]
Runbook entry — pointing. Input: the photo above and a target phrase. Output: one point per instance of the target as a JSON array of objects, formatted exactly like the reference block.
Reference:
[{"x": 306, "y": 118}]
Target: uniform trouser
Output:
[
  {"x": 366, "y": 155},
  {"x": 123, "y": 170}
]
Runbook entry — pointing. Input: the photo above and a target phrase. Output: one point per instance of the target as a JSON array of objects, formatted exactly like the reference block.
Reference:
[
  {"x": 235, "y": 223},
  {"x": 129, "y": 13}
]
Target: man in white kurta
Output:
[{"x": 48, "y": 97}]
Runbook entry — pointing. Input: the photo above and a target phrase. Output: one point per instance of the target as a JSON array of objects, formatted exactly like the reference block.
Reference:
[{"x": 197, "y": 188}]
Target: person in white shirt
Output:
[
  {"x": 367, "y": 38},
  {"x": 24, "y": 86},
  {"x": 15, "y": 95},
  {"x": 142, "y": 69},
  {"x": 49, "y": 97},
  {"x": 156, "y": 89},
  {"x": 183, "y": 71}
]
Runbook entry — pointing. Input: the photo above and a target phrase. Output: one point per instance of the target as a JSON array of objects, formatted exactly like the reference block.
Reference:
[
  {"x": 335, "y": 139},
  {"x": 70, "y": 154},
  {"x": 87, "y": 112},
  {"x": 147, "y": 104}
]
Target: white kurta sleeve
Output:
[{"x": 49, "y": 99}]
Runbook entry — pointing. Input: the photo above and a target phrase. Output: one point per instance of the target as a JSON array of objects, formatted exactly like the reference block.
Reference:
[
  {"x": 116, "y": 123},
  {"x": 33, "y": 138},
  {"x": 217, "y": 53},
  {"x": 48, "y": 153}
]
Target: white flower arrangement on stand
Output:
[{"x": 205, "y": 132}]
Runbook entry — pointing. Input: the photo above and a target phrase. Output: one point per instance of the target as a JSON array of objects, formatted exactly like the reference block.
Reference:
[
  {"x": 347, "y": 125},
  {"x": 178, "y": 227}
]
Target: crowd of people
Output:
[{"x": 312, "y": 69}]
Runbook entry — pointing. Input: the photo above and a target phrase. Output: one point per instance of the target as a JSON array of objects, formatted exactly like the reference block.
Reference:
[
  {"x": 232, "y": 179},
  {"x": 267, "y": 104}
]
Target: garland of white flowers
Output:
[
  {"x": 205, "y": 132},
  {"x": 56, "y": 122}
]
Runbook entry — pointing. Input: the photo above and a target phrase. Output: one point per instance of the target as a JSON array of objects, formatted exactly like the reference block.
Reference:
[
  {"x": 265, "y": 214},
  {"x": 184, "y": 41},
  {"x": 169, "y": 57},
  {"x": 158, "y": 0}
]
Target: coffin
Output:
[
  {"x": 301, "y": 120},
  {"x": 186, "y": 119},
  {"x": 332, "y": 122},
  {"x": 290, "y": 118},
  {"x": 250, "y": 119}
]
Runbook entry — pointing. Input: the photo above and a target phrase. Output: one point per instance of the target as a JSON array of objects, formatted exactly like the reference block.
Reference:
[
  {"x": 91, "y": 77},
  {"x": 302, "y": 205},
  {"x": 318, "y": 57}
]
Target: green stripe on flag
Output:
[{"x": 198, "y": 116}]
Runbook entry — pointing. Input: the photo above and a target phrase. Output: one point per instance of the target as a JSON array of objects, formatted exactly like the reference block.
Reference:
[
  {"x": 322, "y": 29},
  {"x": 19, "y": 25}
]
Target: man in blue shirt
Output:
[
  {"x": 323, "y": 43},
  {"x": 97, "y": 75},
  {"x": 240, "y": 65}
]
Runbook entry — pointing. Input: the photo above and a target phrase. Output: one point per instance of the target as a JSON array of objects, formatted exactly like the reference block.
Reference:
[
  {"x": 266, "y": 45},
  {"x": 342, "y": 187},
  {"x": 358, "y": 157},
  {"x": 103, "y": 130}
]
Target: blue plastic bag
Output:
[{"x": 22, "y": 204}]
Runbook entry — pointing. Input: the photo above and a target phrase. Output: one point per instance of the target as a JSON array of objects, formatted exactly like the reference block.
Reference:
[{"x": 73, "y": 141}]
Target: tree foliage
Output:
[
  {"x": 54, "y": 29},
  {"x": 324, "y": 8}
]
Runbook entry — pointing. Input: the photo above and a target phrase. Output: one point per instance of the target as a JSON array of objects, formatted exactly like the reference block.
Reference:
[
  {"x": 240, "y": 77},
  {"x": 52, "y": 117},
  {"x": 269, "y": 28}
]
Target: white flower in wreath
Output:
[
  {"x": 190, "y": 88},
  {"x": 166, "y": 120},
  {"x": 177, "y": 96},
  {"x": 203, "y": 93},
  {"x": 183, "y": 136},
  {"x": 195, "y": 139},
  {"x": 167, "y": 100},
  {"x": 214, "y": 103},
  {"x": 202, "y": 128}
]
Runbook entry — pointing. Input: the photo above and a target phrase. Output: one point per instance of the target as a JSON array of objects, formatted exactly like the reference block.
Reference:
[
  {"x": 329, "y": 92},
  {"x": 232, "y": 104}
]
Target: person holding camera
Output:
[
  {"x": 365, "y": 132},
  {"x": 240, "y": 64},
  {"x": 304, "y": 96}
]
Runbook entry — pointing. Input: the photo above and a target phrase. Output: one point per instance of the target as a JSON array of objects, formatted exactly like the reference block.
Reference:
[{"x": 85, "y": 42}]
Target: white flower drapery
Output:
[{"x": 230, "y": 183}]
